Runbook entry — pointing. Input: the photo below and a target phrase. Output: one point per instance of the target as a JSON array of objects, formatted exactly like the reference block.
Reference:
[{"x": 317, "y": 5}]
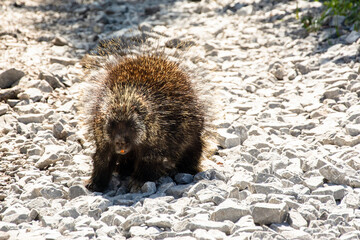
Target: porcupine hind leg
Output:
[
  {"x": 103, "y": 166},
  {"x": 190, "y": 161}
]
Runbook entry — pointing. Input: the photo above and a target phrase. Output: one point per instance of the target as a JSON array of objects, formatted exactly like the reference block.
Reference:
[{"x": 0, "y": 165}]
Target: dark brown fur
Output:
[{"x": 145, "y": 119}]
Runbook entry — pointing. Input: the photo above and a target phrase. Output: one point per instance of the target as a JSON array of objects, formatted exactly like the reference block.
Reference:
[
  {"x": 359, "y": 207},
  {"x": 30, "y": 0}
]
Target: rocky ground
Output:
[{"x": 288, "y": 118}]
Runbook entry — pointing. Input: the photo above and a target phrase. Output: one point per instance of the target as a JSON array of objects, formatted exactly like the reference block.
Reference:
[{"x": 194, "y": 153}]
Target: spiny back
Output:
[{"x": 154, "y": 72}]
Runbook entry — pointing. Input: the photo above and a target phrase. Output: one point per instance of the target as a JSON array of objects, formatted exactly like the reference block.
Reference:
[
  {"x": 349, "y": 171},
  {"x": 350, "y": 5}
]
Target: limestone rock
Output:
[{"x": 267, "y": 213}]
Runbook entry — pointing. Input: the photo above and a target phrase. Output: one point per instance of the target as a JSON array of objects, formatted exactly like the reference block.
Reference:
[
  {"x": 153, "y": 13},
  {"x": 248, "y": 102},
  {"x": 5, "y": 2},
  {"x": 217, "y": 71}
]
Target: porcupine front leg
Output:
[
  {"x": 103, "y": 166},
  {"x": 148, "y": 168}
]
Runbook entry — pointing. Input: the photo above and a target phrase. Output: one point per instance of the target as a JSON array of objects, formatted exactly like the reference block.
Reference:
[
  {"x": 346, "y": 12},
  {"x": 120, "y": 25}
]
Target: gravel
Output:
[{"x": 284, "y": 109}]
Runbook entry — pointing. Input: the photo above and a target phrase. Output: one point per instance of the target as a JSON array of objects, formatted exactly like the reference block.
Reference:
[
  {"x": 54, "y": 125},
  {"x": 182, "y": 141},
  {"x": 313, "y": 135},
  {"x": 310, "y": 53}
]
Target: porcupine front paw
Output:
[
  {"x": 135, "y": 185},
  {"x": 94, "y": 187}
]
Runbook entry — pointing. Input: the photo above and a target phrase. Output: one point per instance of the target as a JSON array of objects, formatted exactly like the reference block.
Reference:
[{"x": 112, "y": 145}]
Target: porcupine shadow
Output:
[{"x": 144, "y": 117}]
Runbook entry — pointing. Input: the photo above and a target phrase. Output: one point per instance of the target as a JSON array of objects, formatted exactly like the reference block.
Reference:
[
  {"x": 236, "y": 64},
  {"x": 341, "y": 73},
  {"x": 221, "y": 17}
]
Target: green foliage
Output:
[
  {"x": 348, "y": 8},
  {"x": 311, "y": 23}
]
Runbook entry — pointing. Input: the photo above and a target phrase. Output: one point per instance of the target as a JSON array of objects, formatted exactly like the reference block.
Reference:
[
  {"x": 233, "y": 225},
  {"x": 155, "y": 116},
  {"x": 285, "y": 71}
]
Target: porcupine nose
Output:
[
  {"x": 120, "y": 141},
  {"x": 122, "y": 145}
]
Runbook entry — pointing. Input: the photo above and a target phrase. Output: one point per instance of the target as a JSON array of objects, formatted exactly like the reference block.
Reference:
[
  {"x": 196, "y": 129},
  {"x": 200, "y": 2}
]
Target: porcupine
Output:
[{"x": 145, "y": 119}]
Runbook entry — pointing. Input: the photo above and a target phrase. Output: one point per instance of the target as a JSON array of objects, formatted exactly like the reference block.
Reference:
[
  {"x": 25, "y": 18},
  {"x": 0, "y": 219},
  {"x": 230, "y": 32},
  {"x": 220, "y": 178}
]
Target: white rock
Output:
[
  {"x": 210, "y": 174},
  {"x": 333, "y": 93},
  {"x": 100, "y": 203},
  {"x": 108, "y": 217},
  {"x": 267, "y": 213},
  {"x": 346, "y": 140},
  {"x": 178, "y": 190},
  {"x": 31, "y": 191},
  {"x": 296, "y": 234},
  {"x": 118, "y": 220},
  {"x": 339, "y": 176},
  {"x": 194, "y": 224},
  {"x": 107, "y": 232},
  {"x": 207, "y": 195},
  {"x": 5, "y": 226},
  {"x": 31, "y": 118},
  {"x": 58, "y": 130},
  {"x": 291, "y": 74},
  {"x": 161, "y": 222},
  {"x": 133, "y": 220},
  {"x": 278, "y": 71},
  {"x": 16, "y": 214},
  {"x": 122, "y": 211},
  {"x": 63, "y": 60},
  {"x": 242, "y": 179},
  {"x": 245, "y": 11},
  {"x": 50, "y": 221},
  {"x": 51, "y": 155},
  {"x": 345, "y": 213},
  {"x": 352, "y": 200},
  {"x": 59, "y": 41},
  {"x": 77, "y": 190},
  {"x": 4, "y": 235},
  {"x": 197, "y": 187},
  {"x": 31, "y": 93},
  {"x": 66, "y": 224},
  {"x": 82, "y": 232},
  {"x": 314, "y": 182},
  {"x": 353, "y": 129},
  {"x": 69, "y": 212},
  {"x": 38, "y": 203},
  {"x": 353, "y": 112},
  {"x": 234, "y": 192},
  {"x": 352, "y": 37},
  {"x": 49, "y": 192},
  {"x": 229, "y": 210},
  {"x": 264, "y": 188},
  {"x": 148, "y": 188},
  {"x": 67, "y": 107},
  {"x": 35, "y": 151},
  {"x": 211, "y": 234},
  {"x": 302, "y": 68},
  {"x": 245, "y": 224},
  {"x": 337, "y": 20},
  {"x": 3, "y": 109},
  {"x": 241, "y": 131},
  {"x": 43, "y": 86},
  {"x": 143, "y": 231},
  {"x": 227, "y": 140},
  {"x": 184, "y": 178},
  {"x": 296, "y": 220},
  {"x": 53, "y": 81},
  {"x": 202, "y": 234},
  {"x": 338, "y": 192}
]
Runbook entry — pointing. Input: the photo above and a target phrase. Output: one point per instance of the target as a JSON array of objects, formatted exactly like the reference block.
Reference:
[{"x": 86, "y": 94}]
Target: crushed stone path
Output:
[{"x": 286, "y": 111}]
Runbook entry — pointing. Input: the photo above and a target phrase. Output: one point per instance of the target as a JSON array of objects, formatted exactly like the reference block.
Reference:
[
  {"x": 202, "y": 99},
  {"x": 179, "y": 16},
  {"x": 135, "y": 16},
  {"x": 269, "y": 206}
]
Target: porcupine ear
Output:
[{"x": 110, "y": 123}]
